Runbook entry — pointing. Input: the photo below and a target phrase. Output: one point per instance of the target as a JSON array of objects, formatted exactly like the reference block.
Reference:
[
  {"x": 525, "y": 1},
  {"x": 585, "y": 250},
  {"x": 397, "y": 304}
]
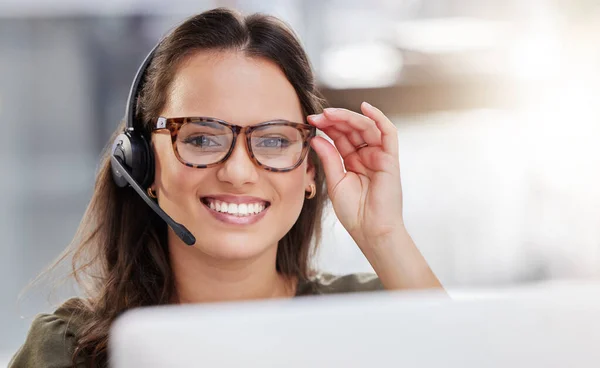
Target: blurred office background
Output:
[{"x": 496, "y": 103}]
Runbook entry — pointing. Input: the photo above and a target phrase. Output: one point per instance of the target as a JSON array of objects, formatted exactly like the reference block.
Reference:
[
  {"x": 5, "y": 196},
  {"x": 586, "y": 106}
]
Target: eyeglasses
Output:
[{"x": 203, "y": 142}]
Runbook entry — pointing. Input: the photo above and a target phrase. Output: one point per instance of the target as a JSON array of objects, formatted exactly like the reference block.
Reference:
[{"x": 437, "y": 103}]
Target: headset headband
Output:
[{"x": 130, "y": 109}]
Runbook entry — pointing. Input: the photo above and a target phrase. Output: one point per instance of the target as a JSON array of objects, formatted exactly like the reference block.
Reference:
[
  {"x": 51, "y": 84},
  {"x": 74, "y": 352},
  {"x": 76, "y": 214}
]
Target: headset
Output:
[{"x": 132, "y": 159}]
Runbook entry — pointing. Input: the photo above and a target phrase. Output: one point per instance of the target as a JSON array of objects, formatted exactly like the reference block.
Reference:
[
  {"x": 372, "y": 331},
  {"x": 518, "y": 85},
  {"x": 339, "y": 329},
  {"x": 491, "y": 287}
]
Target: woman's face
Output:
[{"x": 243, "y": 91}]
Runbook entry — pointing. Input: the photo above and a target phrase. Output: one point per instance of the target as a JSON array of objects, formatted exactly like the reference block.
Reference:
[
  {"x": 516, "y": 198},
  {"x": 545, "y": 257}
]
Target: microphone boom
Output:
[{"x": 184, "y": 234}]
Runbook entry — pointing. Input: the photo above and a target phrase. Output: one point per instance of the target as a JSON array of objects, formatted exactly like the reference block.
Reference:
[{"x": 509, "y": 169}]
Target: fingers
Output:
[
  {"x": 360, "y": 128},
  {"x": 342, "y": 141},
  {"x": 389, "y": 133},
  {"x": 332, "y": 163},
  {"x": 355, "y": 138},
  {"x": 373, "y": 128}
]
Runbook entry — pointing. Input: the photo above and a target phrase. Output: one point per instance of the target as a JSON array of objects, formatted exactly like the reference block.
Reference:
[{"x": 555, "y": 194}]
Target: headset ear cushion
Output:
[{"x": 134, "y": 152}]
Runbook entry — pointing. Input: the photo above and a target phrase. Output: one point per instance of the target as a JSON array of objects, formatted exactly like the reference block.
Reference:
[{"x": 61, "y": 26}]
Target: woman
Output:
[{"x": 252, "y": 196}]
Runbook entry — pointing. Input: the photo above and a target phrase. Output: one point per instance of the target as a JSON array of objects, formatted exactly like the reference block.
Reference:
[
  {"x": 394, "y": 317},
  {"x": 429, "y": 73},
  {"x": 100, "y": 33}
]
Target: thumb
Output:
[{"x": 332, "y": 161}]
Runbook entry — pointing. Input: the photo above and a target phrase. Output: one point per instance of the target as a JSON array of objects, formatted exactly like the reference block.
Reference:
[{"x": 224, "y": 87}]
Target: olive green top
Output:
[{"x": 51, "y": 338}]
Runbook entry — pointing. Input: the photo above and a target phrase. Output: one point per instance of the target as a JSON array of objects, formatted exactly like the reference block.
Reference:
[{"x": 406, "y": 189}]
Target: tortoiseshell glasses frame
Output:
[{"x": 174, "y": 125}]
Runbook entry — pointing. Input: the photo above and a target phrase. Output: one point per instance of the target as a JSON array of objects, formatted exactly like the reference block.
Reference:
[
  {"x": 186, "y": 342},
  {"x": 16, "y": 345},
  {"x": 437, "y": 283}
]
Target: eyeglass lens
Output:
[{"x": 202, "y": 143}]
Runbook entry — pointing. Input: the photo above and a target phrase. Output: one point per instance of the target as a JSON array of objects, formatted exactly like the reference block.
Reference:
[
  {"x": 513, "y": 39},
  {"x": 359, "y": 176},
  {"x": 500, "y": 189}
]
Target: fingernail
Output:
[
  {"x": 368, "y": 105},
  {"x": 330, "y": 109},
  {"x": 315, "y": 117}
]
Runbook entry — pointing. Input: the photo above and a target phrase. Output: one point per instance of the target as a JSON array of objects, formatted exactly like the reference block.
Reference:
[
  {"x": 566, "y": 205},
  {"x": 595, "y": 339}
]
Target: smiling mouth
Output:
[{"x": 236, "y": 209}]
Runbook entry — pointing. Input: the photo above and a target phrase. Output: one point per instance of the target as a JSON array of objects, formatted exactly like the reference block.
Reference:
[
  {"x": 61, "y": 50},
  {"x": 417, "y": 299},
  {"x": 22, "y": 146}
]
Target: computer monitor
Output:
[{"x": 555, "y": 326}]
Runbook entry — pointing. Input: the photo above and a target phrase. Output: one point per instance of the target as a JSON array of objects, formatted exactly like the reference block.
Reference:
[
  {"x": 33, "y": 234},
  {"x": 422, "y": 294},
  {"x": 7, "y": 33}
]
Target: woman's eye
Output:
[
  {"x": 202, "y": 141},
  {"x": 273, "y": 142}
]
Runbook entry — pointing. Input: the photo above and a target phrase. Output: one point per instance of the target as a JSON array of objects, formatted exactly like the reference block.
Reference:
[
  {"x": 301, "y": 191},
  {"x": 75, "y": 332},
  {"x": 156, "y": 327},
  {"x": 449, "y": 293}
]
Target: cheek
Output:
[
  {"x": 291, "y": 187},
  {"x": 177, "y": 179},
  {"x": 172, "y": 177}
]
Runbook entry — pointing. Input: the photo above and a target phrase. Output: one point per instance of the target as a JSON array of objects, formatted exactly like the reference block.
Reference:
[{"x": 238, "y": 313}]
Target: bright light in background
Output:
[
  {"x": 535, "y": 54},
  {"x": 535, "y": 57},
  {"x": 449, "y": 35},
  {"x": 526, "y": 54},
  {"x": 361, "y": 66},
  {"x": 565, "y": 123},
  {"x": 513, "y": 194}
]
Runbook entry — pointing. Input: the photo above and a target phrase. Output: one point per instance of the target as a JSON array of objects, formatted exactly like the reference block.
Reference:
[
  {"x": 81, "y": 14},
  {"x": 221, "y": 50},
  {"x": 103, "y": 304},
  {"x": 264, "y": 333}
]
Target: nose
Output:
[{"x": 238, "y": 170}]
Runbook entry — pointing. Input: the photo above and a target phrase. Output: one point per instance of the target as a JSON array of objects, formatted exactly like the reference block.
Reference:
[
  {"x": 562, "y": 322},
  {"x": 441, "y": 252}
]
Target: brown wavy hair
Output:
[{"x": 119, "y": 254}]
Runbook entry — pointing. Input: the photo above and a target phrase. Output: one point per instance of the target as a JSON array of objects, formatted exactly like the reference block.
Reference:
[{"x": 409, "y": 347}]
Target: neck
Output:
[{"x": 200, "y": 278}]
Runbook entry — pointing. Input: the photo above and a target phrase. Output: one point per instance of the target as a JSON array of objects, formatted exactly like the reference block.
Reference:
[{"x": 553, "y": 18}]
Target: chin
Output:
[{"x": 233, "y": 247}]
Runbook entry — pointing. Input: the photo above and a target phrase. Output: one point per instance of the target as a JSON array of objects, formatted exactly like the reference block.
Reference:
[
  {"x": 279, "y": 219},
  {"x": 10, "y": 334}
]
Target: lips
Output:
[
  {"x": 236, "y": 209},
  {"x": 235, "y": 205}
]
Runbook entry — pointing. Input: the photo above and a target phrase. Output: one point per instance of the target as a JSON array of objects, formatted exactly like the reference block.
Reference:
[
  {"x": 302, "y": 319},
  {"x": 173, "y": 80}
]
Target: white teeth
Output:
[
  {"x": 242, "y": 209},
  {"x": 232, "y": 209}
]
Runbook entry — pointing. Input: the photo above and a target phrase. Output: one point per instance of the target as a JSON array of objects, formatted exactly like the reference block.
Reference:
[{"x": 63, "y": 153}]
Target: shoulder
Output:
[
  {"x": 325, "y": 283},
  {"x": 51, "y": 338}
]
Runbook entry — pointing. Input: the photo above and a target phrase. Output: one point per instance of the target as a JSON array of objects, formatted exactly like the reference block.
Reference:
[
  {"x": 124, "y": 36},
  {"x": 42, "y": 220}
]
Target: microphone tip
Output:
[
  {"x": 186, "y": 236},
  {"x": 189, "y": 239},
  {"x": 183, "y": 233}
]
